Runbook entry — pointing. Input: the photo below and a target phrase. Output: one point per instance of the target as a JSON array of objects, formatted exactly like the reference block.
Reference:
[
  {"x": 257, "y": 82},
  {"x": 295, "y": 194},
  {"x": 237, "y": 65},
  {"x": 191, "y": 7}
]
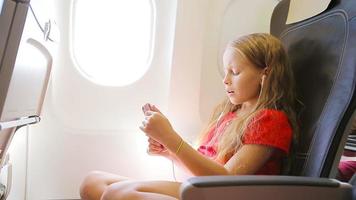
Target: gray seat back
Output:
[{"x": 322, "y": 51}]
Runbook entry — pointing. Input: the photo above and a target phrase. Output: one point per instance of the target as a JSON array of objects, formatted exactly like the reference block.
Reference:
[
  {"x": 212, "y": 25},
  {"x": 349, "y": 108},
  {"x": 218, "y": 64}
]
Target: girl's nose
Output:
[{"x": 226, "y": 80}]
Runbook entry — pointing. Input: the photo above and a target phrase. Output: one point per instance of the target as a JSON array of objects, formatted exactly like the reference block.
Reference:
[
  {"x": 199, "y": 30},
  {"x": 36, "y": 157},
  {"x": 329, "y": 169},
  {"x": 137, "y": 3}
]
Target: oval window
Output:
[{"x": 112, "y": 40}]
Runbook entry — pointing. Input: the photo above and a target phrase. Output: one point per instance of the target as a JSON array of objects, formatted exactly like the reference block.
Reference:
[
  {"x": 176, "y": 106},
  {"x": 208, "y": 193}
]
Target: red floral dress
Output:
[{"x": 269, "y": 127}]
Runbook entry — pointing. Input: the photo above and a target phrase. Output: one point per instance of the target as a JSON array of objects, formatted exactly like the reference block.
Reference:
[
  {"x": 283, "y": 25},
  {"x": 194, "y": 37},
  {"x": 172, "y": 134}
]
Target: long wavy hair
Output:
[{"x": 277, "y": 92}]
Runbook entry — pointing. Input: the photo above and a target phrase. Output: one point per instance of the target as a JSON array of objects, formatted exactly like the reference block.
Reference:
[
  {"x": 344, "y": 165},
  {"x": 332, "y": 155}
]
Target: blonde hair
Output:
[{"x": 278, "y": 90}]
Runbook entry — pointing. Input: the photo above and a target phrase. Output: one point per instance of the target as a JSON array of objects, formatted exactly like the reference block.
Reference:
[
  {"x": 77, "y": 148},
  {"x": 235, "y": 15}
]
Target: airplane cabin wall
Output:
[{"x": 88, "y": 127}]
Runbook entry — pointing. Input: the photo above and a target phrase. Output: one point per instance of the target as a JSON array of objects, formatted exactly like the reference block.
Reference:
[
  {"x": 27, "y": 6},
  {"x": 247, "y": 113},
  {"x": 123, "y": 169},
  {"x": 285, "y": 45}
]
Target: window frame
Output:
[{"x": 82, "y": 71}]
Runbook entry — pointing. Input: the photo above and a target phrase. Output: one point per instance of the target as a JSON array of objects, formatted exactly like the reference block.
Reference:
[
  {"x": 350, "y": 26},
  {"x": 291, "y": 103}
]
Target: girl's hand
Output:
[
  {"x": 146, "y": 108},
  {"x": 156, "y": 148},
  {"x": 157, "y": 127},
  {"x": 150, "y": 107}
]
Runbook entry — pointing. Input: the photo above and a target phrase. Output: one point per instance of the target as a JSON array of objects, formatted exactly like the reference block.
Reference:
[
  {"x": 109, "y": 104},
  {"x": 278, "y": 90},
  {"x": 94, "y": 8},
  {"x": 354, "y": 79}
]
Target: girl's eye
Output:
[
  {"x": 232, "y": 72},
  {"x": 235, "y": 73}
]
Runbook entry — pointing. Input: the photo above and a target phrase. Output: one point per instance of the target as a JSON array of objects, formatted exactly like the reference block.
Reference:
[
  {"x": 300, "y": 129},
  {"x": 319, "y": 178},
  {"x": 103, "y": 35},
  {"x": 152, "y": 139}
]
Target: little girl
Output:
[{"x": 249, "y": 133}]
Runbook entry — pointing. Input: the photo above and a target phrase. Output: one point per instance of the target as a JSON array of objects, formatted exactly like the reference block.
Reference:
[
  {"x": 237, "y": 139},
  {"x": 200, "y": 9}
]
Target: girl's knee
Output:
[
  {"x": 125, "y": 190},
  {"x": 90, "y": 185}
]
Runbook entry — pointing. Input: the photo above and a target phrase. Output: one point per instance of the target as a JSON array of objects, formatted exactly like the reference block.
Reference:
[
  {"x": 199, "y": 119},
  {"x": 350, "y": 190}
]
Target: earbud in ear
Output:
[
  {"x": 265, "y": 72},
  {"x": 263, "y": 79}
]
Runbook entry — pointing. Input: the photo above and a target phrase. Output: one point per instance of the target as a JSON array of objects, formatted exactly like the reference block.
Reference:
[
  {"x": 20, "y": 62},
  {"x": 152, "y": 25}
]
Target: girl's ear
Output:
[
  {"x": 264, "y": 75},
  {"x": 266, "y": 70}
]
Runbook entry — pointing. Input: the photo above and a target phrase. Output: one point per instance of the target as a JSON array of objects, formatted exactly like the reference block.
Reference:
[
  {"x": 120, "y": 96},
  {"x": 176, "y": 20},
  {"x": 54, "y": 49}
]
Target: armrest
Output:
[
  {"x": 264, "y": 187},
  {"x": 17, "y": 123}
]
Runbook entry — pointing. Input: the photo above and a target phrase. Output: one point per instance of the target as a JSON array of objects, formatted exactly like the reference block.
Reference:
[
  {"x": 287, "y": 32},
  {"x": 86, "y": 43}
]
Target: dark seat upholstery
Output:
[{"x": 322, "y": 51}]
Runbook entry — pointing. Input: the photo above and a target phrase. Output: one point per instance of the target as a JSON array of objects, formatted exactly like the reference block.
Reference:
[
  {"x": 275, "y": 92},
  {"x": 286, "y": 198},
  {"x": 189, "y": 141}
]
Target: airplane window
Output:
[{"x": 112, "y": 41}]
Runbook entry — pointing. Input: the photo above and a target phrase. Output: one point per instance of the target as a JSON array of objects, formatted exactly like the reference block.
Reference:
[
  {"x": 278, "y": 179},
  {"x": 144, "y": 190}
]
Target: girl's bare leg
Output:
[
  {"x": 96, "y": 182},
  {"x": 142, "y": 190}
]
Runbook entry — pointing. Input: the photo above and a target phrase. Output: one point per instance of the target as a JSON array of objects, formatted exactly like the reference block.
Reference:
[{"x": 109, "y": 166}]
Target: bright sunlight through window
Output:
[{"x": 113, "y": 39}]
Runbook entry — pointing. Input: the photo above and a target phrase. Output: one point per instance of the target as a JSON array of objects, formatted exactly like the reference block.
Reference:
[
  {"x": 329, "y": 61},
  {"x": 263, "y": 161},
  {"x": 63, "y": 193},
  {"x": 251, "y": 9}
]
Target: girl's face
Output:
[{"x": 242, "y": 79}]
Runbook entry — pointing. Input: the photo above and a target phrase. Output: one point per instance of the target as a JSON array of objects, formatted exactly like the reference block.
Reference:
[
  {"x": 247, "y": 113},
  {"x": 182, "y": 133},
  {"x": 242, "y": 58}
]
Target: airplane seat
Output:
[
  {"x": 26, "y": 60},
  {"x": 321, "y": 51}
]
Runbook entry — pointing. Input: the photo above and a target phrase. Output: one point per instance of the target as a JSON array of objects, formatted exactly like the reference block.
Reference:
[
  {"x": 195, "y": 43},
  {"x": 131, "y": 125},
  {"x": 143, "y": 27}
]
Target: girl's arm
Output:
[
  {"x": 157, "y": 149},
  {"x": 247, "y": 160}
]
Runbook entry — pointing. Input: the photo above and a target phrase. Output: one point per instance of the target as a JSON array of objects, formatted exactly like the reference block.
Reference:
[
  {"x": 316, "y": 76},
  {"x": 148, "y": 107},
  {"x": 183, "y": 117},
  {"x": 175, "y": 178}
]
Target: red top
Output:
[{"x": 269, "y": 127}]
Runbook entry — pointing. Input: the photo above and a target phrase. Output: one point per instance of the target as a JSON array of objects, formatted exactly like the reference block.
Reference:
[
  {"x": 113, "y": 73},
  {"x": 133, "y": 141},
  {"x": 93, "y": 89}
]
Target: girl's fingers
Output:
[
  {"x": 146, "y": 108},
  {"x": 156, "y": 146},
  {"x": 143, "y": 129},
  {"x": 149, "y": 113},
  {"x": 152, "y": 141},
  {"x": 145, "y": 123},
  {"x": 151, "y": 150},
  {"x": 154, "y": 108}
]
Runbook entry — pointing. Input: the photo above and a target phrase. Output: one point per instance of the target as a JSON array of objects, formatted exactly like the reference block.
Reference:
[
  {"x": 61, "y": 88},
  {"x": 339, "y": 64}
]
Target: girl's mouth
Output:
[{"x": 230, "y": 92}]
